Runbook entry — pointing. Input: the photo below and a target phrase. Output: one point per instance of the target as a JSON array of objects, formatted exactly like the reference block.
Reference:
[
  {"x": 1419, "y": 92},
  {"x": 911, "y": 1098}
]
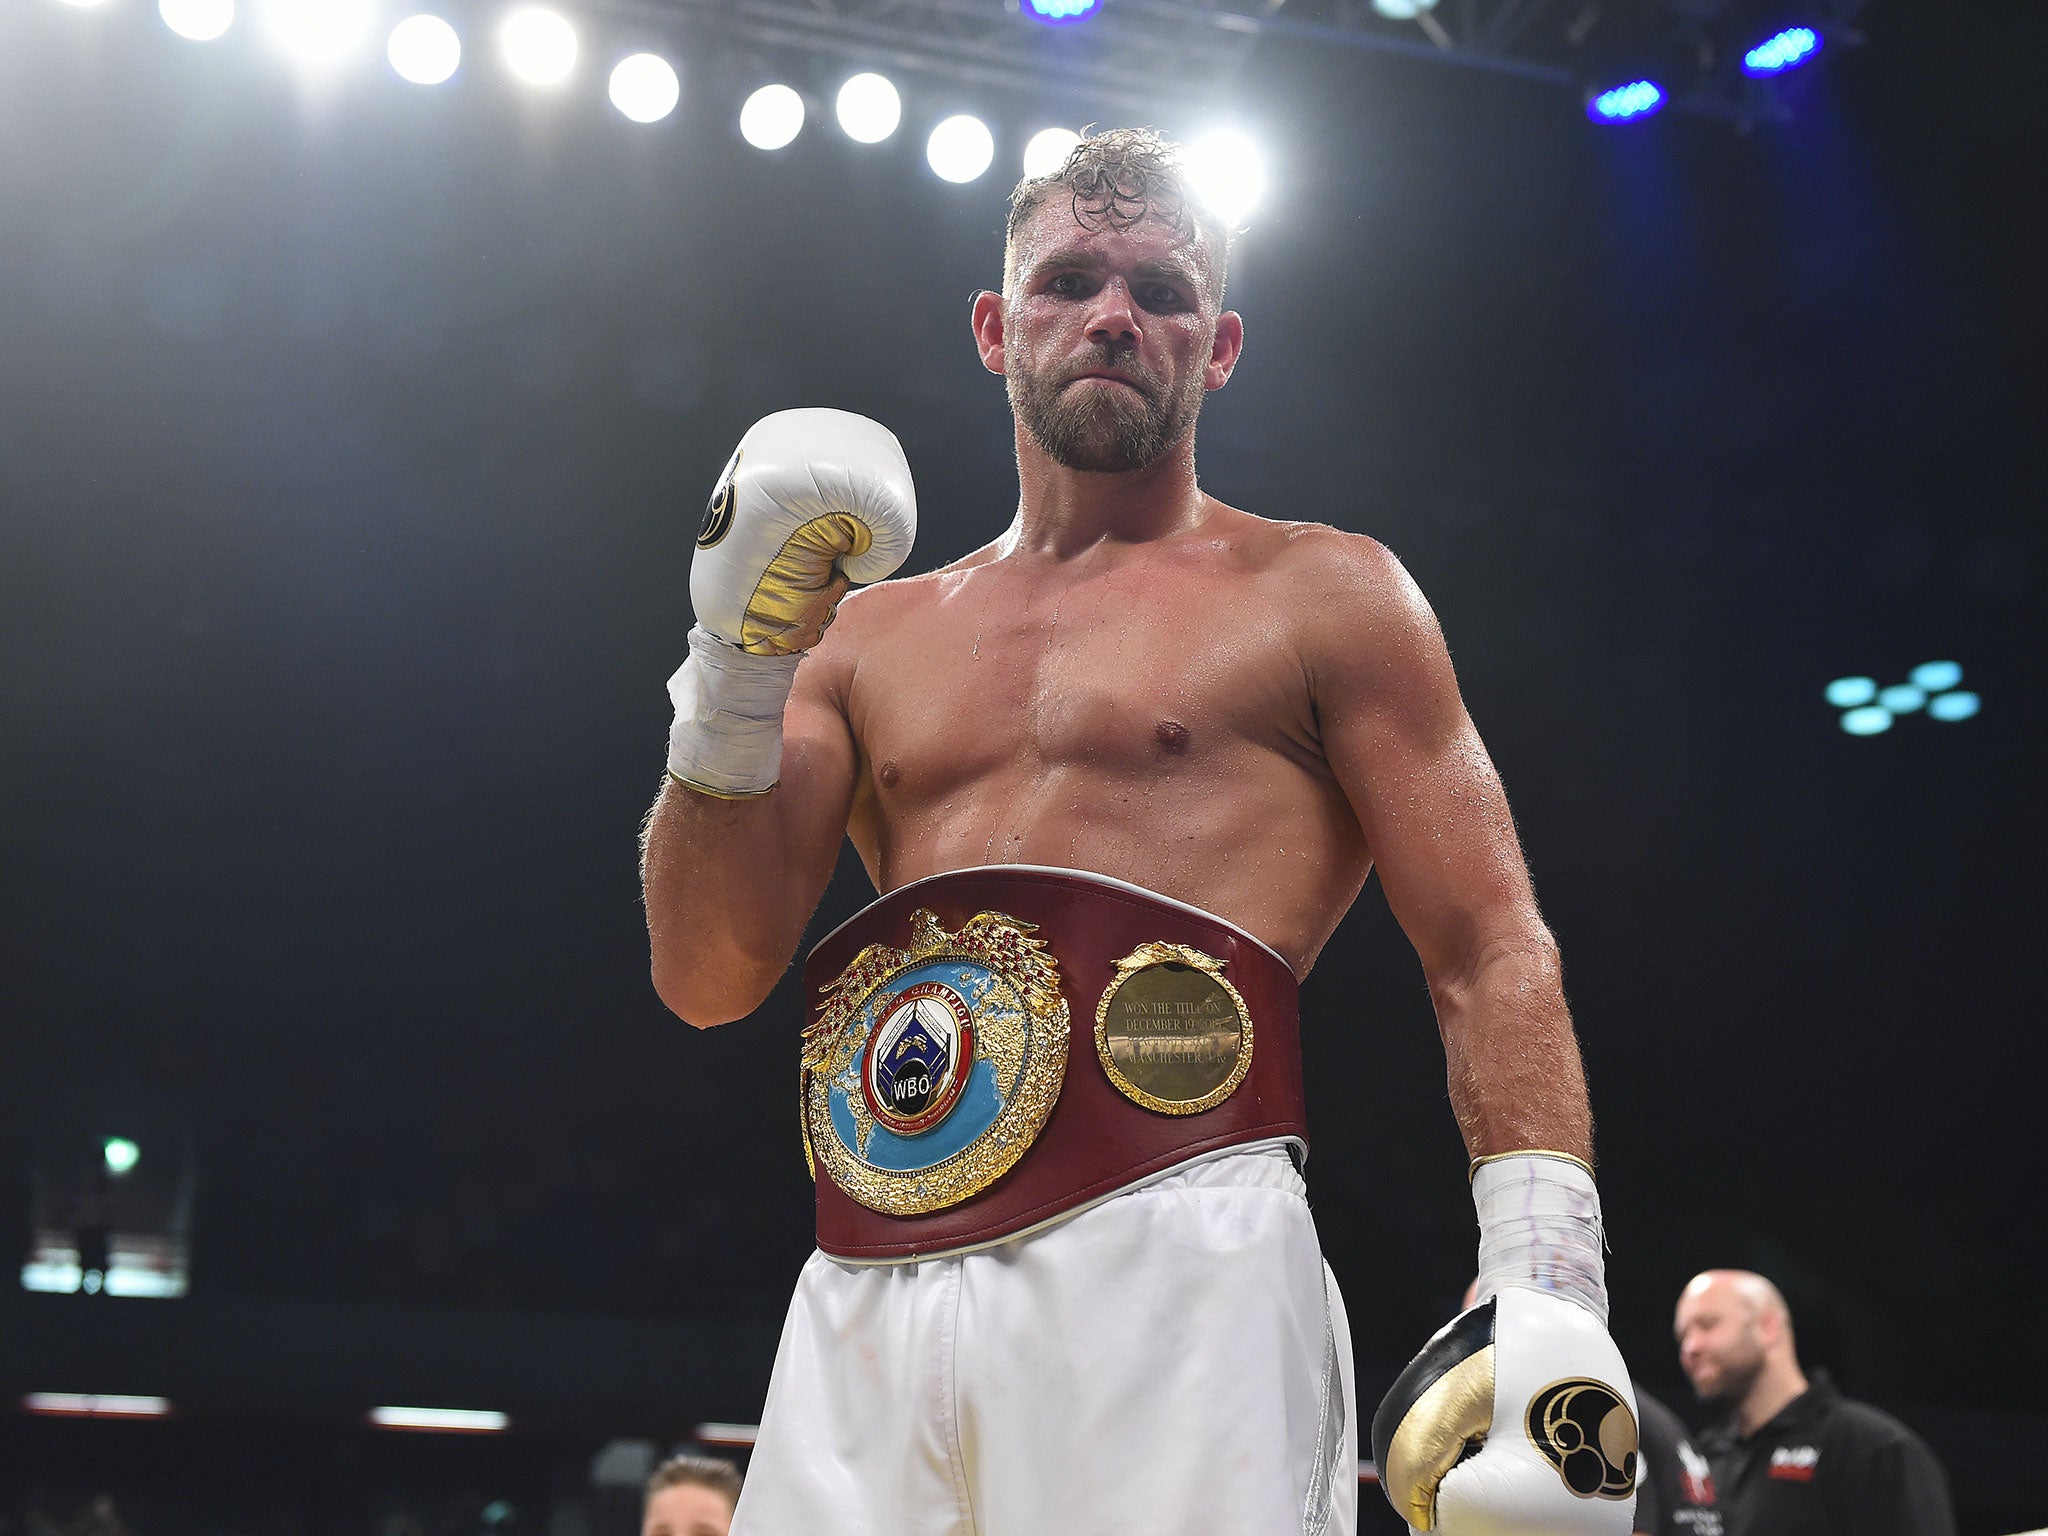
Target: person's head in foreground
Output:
[
  {"x": 691, "y": 1496},
  {"x": 1110, "y": 326}
]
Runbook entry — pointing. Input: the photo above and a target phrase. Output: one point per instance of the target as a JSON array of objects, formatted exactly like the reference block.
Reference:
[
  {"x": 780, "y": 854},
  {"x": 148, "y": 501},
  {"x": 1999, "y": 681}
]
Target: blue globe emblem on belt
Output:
[
  {"x": 921, "y": 1086},
  {"x": 929, "y": 1070},
  {"x": 918, "y": 1058}
]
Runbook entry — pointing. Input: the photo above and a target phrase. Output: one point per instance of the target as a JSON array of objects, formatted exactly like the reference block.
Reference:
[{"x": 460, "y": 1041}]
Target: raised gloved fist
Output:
[
  {"x": 812, "y": 501},
  {"x": 1517, "y": 1419}
]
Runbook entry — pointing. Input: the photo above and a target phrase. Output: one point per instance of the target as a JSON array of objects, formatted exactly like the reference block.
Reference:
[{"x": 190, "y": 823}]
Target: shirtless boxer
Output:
[{"x": 1130, "y": 762}]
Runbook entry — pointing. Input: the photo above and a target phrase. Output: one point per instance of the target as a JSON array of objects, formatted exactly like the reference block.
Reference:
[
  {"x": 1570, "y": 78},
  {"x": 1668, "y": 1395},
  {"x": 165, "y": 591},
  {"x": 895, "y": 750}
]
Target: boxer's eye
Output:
[
  {"x": 1067, "y": 285},
  {"x": 1160, "y": 297}
]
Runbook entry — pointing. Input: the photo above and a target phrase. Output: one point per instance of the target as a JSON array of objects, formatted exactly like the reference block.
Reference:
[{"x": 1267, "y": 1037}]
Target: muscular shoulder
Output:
[
  {"x": 1360, "y": 620},
  {"x": 865, "y": 616},
  {"x": 1326, "y": 565}
]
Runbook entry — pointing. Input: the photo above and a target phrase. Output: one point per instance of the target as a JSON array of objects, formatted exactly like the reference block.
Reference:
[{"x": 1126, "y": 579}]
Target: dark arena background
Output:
[{"x": 353, "y": 435}]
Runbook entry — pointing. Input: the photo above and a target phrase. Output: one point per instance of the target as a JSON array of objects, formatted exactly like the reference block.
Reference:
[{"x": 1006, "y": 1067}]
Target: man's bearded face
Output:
[
  {"x": 1097, "y": 424},
  {"x": 1106, "y": 341}
]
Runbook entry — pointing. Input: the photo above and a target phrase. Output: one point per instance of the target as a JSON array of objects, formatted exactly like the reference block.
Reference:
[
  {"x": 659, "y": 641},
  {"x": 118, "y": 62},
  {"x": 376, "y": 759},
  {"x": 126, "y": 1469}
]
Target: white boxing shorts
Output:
[{"x": 1173, "y": 1359}]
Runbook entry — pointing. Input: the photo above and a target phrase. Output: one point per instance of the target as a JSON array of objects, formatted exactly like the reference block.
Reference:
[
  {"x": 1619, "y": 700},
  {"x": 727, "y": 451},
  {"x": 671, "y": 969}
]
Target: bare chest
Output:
[{"x": 1001, "y": 680}]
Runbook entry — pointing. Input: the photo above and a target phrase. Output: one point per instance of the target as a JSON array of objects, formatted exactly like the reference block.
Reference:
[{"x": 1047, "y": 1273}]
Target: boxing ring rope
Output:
[{"x": 741, "y": 1437}]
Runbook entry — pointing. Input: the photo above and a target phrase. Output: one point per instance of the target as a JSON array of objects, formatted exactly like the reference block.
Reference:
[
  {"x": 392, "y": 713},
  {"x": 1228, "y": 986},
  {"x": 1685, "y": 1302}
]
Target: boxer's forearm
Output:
[
  {"x": 726, "y": 901},
  {"x": 761, "y": 761},
  {"x": 1516, "y": 1081}
]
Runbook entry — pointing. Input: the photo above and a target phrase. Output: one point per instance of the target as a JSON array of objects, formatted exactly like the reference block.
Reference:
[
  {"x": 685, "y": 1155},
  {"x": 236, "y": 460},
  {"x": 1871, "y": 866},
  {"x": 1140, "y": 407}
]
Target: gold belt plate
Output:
[
  {"x": 1174, "y": 1035},
  {"x": 930, "y": 1070}
]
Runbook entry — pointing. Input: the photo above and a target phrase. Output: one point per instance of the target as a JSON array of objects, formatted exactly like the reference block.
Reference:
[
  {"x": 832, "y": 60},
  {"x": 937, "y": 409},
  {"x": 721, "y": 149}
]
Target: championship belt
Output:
[{"x": 991, "y": 1048}]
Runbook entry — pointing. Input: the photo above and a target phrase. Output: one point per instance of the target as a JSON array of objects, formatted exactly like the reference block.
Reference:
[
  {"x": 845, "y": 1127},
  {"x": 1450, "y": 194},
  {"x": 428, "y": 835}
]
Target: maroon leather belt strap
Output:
[{"x": 1096, "y": 1138}]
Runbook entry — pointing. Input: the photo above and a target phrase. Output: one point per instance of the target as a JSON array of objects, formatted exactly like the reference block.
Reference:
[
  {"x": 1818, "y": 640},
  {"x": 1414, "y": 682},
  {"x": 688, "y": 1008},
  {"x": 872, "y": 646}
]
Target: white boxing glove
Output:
[
  {"x": 1518, "y": 1418},
  {"x": 811, "y": 502}
]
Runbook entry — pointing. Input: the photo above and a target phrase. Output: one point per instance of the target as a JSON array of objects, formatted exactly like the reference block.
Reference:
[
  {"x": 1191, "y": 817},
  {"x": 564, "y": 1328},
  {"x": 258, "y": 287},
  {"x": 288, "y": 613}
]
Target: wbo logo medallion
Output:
[
  {"x": 918, "y": 1058},
  {"x": 930, "y": 1070}
]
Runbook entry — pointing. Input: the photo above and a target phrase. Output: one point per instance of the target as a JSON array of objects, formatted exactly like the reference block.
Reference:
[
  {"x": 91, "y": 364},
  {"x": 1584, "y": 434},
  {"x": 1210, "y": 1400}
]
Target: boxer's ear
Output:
[
  {"x": 988, "y": 329},
  {"x": 1224, "y": 350}
]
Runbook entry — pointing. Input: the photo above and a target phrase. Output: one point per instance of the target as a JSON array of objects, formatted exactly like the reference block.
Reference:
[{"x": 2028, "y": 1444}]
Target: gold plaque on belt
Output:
[{"x": 1172, "y": 1032}]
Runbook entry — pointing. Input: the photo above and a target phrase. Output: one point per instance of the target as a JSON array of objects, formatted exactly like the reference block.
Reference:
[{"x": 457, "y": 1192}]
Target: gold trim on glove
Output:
[
  {"x": 793, "y": 602},
  {"x": 1495, "y": 1157},
  {"x": 1457, "y": 1409},
  {"x": 719, "y": 794}
]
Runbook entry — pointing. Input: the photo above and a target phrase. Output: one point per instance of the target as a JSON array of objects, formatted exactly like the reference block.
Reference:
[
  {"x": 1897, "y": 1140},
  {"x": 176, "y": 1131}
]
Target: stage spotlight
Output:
[
  {"x": 1959, "y": 705},
  {"x": 316, "y": 31},
  {"x": 84, "y": 5},
  {"x": 1060, "y": 13},
  {"x": 1403, "y": 10},
  {"x": 1867, "y": 721},
  {"x": 475, "y": 1421},
  {"x": 1784, "y": 50},
  {"x": 960, "y": 148},
  {"x": 1848, "y": 692},
  {"x": 424, "y": 49},
  {"x": 1901, "y": 698},
  {"x": 1048, "y": 150},
  {"x": 120, "y": 1154},
  {"x": 1936, "y": 676},
  {"x": 645, "y": 88},
  {"x": 96, "y": 1405},
  {"x": 540, "y": 45},
  {"x": 1626, "y": 103},
  {"x": 200, "y": 20},
  {"x": 1227, "y": 172},
  {"x": 772, "y": 117},
  {"x": 869, "y": 109}
]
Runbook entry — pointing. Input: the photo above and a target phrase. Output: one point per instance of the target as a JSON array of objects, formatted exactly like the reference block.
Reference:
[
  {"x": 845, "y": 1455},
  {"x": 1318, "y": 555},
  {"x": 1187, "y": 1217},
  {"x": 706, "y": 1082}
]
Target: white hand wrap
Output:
[
  {"x": 1518, "y": 1418},
  {"x": 1539, "y": 1228},
  {"x": 727, "y": 736}
]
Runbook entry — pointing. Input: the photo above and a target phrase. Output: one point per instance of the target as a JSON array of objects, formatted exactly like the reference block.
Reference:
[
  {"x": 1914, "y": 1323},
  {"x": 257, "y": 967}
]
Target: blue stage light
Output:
[
  {"x": 1902, "y": 698},
  {"x": 1848, "y": 692},
  {"x": 1959, "y": 705},
  {"x": 1060, "y": 13},
  {"x": 1626, "y": 103},
  {"x": 1785, "y": 50},
  {"x": 1867, "y": 721},
  {"x": 1936, "y": 676}
]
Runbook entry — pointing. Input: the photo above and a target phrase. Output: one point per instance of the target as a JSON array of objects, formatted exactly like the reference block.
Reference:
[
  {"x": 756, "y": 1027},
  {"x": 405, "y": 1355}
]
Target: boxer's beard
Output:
[{"x": 1104, "y": 431}]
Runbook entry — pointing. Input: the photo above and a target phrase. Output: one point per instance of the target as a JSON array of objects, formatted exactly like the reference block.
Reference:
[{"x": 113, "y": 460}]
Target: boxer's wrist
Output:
[
  {"x": 1540, "y": 1227},
  {"x": 727, "y": 736}
]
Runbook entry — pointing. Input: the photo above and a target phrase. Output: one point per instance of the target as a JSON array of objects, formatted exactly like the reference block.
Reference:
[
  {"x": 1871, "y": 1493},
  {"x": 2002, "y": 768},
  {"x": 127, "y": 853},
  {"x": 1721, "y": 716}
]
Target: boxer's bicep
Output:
[
  {"x": 820, "y": 764},
  {"x": 1419, "y": 779},
  {"x": 1436, "y": 822}
]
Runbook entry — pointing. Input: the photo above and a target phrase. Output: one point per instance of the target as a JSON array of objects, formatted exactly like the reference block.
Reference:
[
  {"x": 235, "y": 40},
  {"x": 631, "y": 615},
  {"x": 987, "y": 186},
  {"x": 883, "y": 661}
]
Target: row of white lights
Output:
[
  {"x": 540, "y": 46},
  {"x": 115, "y": 1405}
]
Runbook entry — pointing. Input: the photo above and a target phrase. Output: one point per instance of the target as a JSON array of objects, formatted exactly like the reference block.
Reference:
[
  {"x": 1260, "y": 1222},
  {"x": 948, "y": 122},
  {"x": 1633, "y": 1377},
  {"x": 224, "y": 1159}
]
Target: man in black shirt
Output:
[
  {"x": 1674, "y": 1482},
  {"x": 1795, "y": 1457}
]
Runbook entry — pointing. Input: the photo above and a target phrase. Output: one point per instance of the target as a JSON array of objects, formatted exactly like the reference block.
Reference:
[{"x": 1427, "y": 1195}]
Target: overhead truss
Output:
[{"x": 1153, "y": 55}]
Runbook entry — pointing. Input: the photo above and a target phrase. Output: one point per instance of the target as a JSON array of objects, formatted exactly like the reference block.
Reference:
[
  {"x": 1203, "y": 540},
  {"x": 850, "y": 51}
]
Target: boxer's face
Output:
[
  {"x": 687, "y": 1509},
  {"x": 1109, "y": 338},
  {"x": 1718, "y": 1346}
]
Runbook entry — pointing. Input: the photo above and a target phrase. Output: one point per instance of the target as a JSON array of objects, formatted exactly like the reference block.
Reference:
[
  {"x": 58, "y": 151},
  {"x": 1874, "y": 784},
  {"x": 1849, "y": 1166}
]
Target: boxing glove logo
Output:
[
  {"x": 1585, "y": 1429},
  {"x": 718, "y": 512}
]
